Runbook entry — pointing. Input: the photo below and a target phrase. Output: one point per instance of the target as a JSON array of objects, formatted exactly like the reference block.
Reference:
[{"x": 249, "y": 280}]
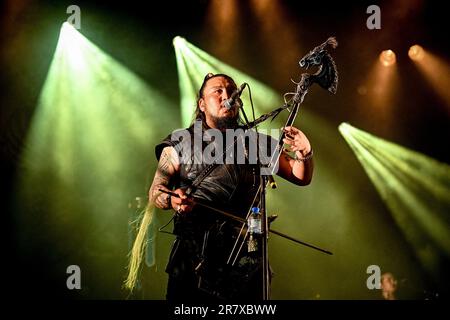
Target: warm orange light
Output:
[
  {"x": 387, "y": 58},
  {"x": 416, "y": 52},
  {"x": 436, "y": 70},
  {"x": 221, "y": 17},
  {"x": 276, "y": 29}
]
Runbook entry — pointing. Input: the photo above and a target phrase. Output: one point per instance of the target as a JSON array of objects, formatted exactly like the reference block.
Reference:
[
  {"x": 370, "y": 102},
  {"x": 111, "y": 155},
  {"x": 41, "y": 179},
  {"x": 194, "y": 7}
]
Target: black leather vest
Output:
[
  {"x": 205, "y": 238},
  {"x": 230, "y": 186}
]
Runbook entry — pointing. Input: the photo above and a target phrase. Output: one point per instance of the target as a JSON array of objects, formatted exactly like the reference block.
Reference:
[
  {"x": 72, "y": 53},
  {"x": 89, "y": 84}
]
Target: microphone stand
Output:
[
  {"x": 264, "y": 240},
  {"x": 327, "y": 78}
]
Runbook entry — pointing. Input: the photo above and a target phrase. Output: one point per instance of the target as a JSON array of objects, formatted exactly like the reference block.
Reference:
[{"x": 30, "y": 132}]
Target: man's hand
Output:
[
  {"x": 300, "y": 169},
  {"x": 297, "y": 141},
  {"x": 183, "y": 204}
]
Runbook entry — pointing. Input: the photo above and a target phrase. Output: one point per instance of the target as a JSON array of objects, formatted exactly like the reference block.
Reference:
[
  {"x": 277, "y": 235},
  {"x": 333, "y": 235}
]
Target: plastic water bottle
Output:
[
  {"x": 254, "y": 221},
  {"x": 254, "y": 229}
]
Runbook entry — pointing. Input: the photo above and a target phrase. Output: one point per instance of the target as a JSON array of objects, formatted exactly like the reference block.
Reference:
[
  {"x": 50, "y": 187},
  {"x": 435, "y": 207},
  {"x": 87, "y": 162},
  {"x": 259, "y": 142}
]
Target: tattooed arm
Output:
[{"x": 168, "y": 168}]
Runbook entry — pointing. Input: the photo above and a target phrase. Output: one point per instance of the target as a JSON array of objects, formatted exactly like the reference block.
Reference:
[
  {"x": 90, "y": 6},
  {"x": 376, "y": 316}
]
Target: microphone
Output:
[{"x": 234, "y": 98}]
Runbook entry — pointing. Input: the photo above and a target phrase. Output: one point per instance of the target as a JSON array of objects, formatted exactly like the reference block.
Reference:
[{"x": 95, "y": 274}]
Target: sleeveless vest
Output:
[{"x": 205, "y": 238}]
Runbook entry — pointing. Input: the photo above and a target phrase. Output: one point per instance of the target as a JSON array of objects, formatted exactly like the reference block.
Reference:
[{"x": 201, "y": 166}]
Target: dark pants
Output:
[
  {"x": 198, "y": 270},
  {"x": 188, "y": 287}
]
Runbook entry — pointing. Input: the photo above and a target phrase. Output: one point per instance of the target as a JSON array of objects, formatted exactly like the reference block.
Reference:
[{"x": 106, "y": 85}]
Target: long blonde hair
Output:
[{"x": 140, "y": 243}]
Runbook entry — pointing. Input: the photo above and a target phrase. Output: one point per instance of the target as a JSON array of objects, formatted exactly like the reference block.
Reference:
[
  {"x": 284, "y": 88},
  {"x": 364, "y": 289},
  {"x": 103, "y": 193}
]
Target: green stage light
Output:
[
  {"x": 415, "y": 188},
  {"x": 92, "y": 109},
  {"x": 89, "y": 150}
]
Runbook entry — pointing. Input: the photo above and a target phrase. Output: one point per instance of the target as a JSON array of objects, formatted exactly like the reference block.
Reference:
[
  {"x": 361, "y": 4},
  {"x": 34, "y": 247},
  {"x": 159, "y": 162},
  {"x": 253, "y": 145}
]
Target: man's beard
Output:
[{"x": 223, "y": 123}]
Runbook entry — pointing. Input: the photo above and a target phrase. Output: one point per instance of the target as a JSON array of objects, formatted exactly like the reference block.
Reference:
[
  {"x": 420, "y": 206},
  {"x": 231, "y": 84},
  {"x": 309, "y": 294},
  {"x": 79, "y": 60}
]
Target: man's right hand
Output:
[{"x": 183, "y": 204}]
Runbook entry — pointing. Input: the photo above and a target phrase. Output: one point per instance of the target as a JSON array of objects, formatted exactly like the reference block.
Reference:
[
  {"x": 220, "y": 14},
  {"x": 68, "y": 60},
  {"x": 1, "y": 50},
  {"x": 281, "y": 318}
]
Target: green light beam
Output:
[
  {"x": 416, "y": 188},
  {"x": 89, "y": 150}
]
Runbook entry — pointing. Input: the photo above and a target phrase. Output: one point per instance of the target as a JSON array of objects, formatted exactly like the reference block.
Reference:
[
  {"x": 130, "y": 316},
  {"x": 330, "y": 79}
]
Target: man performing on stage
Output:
[{"x": 197, "y": 267}]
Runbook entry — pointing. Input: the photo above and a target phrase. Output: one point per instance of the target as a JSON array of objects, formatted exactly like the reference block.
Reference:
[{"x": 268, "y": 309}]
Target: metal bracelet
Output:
[{"x": 307, "y": 157}]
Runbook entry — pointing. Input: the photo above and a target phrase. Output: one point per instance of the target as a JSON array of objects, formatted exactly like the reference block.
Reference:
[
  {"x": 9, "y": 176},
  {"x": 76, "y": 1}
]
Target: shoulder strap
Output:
[{"x": 206, "y": 172}]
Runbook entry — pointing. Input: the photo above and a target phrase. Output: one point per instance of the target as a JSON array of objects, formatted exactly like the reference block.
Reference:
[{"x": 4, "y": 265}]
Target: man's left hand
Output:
[{"x": 296, "y": 141}]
